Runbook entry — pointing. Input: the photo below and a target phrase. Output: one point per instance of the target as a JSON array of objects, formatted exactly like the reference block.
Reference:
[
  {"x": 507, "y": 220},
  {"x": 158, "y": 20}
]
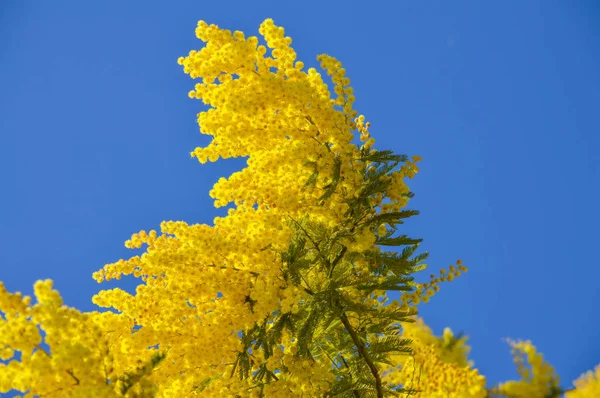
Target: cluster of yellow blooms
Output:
[
  {"x": 587, "y": 385},
  {"x": 537, "y": 379},
  {"x": 438, "y": 366},
  {"x": 201, "y": 286}
]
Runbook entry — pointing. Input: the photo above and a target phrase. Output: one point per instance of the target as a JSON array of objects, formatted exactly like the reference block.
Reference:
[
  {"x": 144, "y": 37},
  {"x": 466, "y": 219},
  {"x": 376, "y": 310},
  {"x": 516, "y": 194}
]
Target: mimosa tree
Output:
[{"x": 295, "y": 292}]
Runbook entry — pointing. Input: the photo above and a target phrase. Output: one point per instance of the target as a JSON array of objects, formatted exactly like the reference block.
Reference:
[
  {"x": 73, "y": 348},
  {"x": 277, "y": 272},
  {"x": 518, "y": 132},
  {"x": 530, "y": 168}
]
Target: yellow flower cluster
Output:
[
  {"x": 537, "y": 376},
  {"x": 80, "y": 346},
  {"x": 438, "y": 366},
  {"x": 450, "y": 348},
  {"x": 587, "y": 385},
  {"x": 432, "y": 377},
  {"x": 424, "y": 291},
  {"x": 539, "y": 380},
  {"x": 201, "y": 286}
]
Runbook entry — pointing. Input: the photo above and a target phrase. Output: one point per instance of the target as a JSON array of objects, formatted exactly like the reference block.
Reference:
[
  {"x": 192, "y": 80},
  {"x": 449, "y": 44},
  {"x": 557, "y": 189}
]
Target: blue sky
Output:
[{"x": 500, "y": 98}]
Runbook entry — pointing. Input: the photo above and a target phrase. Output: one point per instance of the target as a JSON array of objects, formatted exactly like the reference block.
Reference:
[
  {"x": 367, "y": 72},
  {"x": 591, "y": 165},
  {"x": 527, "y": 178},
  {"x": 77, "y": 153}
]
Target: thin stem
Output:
[
  {"x": 337, "y": 260},
  {"x": 233, "y": 269},
  {"x": 315, "y": 244},
  {"x": 362, "y": 351},
  {"x": 355, "y": 392},
  {"x": 39, "y": 347},
  {"x": 70, "y": 372}
]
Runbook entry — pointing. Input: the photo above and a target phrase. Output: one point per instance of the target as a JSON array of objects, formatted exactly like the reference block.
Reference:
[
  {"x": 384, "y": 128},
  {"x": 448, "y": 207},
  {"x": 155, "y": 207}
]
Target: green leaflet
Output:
[
  {"x": 397, "y": 241},
  {"x": 391, "y": 218}
]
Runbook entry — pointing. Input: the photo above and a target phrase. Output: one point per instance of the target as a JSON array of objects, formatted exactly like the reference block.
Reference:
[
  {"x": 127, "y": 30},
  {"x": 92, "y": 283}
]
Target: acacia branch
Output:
[
  {"x": 337, "y": 260},
  {"x": 253, "y": 273},
  {"x": 362, "y": 351},
  {"x": 354, "y": 392},
  {"x": 70, "y": 372},
  {"x": 315, "y": 244}
]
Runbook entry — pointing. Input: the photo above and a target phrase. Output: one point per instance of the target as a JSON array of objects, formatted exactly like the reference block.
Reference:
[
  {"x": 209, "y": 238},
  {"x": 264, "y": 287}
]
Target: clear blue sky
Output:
[{"x": 501, "y": 98}]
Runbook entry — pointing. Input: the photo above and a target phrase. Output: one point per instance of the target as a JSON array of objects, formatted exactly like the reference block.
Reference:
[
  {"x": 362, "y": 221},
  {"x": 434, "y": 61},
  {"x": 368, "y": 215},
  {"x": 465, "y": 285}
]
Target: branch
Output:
[
  {"x": 39, "y": 347},
  {"x": 233, "y": 269},
  {"x": 363, "y": 352},
  {"x": 70, "y": 372},
  {"x": 337, "y": 260},
  {"x": 315, "y": 244},
  {"x": 355, "y": 392}
]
